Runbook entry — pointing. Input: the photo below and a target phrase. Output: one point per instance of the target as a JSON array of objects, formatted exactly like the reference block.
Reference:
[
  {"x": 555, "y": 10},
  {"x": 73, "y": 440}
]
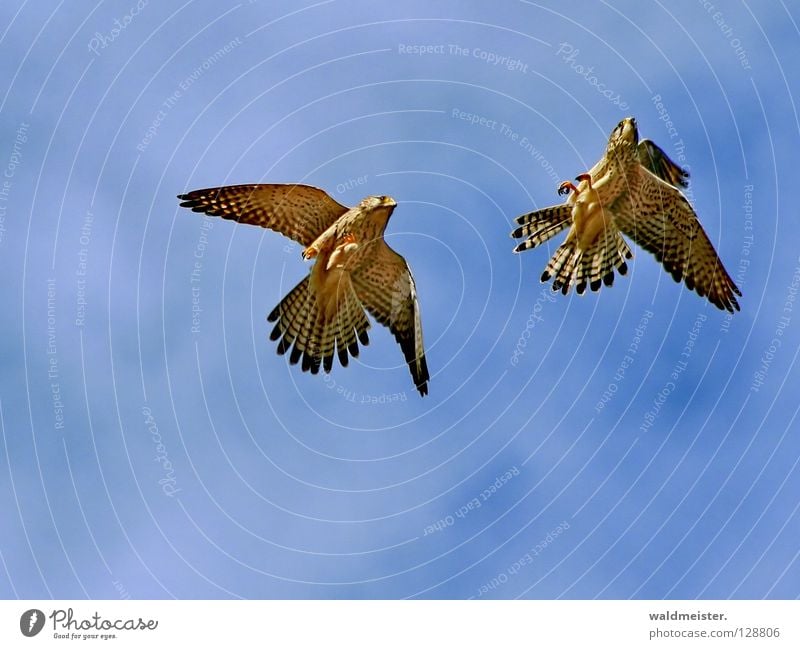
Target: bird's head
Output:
[
  {"x": 374, "y": 202},
  {"x": 624, "y": 137},
  {"x": 379, "y": 206},
  {"x": 376, "y": 210}
]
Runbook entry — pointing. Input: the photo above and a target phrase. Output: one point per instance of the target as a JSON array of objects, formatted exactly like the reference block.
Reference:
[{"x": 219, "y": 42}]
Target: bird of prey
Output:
[
  {"x": 634, "y": 189},
  {"x": 354, "y": 270}
]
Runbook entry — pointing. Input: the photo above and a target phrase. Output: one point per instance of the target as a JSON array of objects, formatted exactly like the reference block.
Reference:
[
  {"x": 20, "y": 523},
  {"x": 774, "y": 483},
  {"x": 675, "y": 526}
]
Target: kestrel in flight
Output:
[
  {"x": 354, "y": 270},
  {"x": 634, "y": 189}
]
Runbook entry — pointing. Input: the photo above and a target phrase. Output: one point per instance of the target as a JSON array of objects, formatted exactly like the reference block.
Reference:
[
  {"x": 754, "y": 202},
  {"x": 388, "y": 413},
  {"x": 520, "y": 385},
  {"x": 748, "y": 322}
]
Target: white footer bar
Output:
[{"x": 389, "y": 624}]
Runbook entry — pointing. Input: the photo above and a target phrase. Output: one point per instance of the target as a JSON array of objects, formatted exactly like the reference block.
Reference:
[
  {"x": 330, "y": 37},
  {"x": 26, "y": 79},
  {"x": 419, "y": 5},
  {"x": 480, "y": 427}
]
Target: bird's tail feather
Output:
[
  {"x": 541, "y": 225},
  {"x": 315, "y": 333},
  {"x": 593, "y": 267}
]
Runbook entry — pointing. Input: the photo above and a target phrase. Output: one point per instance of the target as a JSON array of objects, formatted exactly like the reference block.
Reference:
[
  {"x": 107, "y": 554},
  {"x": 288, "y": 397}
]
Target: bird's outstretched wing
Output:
[
  {"x": 653, "y": 158},
  {"x": 662, "y": 221},
  {"x": 300, "y": 212},
  {"x": 386, "y": 288}
]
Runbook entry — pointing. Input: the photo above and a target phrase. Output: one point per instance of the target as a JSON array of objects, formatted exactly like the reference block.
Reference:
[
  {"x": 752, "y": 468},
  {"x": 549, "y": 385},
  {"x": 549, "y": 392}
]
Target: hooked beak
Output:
[{"x": 629, "y": 130}]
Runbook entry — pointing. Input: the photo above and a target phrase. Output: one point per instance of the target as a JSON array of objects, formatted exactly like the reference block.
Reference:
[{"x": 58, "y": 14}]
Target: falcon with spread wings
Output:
[
  {"x": 354, "y": 270},
  {"x": 634, "y": 189}
]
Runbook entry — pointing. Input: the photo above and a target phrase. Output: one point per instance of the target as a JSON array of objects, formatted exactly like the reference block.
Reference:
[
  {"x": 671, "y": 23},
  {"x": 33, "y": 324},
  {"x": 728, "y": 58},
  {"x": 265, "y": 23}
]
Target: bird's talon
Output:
[
  {"x": 566, "y": 187},
  {"x": 310, "y": 253}
]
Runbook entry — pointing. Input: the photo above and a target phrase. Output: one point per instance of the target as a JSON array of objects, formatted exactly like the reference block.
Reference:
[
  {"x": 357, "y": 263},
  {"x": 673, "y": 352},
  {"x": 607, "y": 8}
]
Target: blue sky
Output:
[{"x": 153, "y": 443}]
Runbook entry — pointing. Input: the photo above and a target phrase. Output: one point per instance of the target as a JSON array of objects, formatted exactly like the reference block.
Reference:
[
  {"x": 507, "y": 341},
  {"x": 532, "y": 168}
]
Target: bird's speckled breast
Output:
[{"x": 366, "y": 230}]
